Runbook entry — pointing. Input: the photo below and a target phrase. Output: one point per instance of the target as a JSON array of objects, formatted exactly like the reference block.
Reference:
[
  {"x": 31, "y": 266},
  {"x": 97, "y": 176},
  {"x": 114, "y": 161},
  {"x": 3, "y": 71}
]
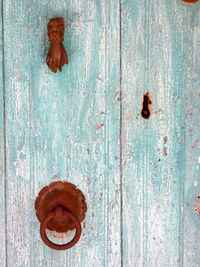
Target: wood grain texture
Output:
[
  {"x": 157, "y": 49},
  {"x": 2, "y": 153},
  {"x": 66, "y": 126},
  {"x": 192, "y": 146},
  {"x": 63, "y": 126},
  {"x": 17, "y": 86}
]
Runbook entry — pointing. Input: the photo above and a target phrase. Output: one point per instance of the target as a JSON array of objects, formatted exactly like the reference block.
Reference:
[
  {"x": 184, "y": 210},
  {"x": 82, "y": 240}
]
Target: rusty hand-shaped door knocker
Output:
[
  {"x": 60, "y": 207},
  {"x": 57, "y": 55}
]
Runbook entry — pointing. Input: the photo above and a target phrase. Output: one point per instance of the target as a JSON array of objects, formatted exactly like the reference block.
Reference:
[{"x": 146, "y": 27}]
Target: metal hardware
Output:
[
  {"x": 57, "y": 55},
  {"x": 60, "y": 207},
  {"x": 145, "y": 106}
]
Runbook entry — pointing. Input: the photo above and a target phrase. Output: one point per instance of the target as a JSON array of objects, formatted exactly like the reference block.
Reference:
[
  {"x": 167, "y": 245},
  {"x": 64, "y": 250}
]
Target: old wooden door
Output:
[{"x": 84, "y": 125}]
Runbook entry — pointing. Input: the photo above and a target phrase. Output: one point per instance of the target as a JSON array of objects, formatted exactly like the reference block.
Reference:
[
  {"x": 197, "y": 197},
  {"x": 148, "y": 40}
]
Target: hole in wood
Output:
[{"x": 145, "y": 108}]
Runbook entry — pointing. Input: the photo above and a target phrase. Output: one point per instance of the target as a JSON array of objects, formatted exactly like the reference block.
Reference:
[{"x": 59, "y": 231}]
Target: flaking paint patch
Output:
[
  {"x": 99, "y": 126},
  {"x": 88, "y": 45},
  {"x": 21, "y": 163},
  {"x": 196, "y": 144},
  {"x": 56, "y": 235},
  {"x": 197, "y": 205},
  {"x": 128, "y": 115},
  {"x": 56, "y": 177},
  {"x": 123, "y": 142},
  {"x": 165, "y": 139},
  {"x": 195, "y": 183}
]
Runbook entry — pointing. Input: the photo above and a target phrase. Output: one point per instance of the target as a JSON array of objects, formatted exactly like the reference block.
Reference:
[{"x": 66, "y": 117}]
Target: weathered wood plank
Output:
[
  {"x": 2, "y": 153},
  {"x": 19, "y": 198},
  {"x": 63, "y": 126},
  {"x": 192, "y": 146},
  {"x": 155, "y": 39}
]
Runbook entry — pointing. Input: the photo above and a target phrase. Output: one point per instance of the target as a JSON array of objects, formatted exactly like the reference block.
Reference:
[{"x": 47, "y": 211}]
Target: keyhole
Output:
[{"x": 145, "y": 109}]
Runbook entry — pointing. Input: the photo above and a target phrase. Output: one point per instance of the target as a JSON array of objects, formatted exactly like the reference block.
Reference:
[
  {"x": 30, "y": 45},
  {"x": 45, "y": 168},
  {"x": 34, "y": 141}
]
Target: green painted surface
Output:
[
  {"x": 52, "y": 127},
  {"x": 140, "y": 177},
  {"x": 2, "y": 154},
  {"x": 159, "y": 55}
]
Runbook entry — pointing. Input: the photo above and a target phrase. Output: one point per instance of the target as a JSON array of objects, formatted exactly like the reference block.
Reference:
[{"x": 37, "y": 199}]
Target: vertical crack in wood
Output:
[
  {"x": 4, "y": 131},
  {"x": 147, "y": 51},
  {"x": 121, "y": 125}
]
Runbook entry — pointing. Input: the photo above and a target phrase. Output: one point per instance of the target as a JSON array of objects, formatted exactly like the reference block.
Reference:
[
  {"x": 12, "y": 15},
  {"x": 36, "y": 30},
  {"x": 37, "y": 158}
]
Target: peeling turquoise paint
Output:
[{"x": 84, "y": 125}]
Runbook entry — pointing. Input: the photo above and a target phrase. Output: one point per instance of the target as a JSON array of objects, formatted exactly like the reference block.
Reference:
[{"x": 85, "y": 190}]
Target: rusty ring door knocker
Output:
[{"x": 60, "y": 207}]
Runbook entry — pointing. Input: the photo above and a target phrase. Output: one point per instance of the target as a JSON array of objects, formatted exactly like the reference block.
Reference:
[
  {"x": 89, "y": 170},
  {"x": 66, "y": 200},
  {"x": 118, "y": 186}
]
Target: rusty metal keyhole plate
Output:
[{"x": 60, "y": 194}]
